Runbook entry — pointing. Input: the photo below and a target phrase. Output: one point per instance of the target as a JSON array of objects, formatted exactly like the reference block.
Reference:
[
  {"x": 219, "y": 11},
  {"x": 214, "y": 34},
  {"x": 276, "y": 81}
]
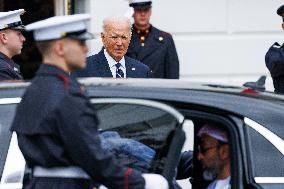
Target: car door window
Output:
[
  {"x": 267, "y": 151},
  {"x": 6, "y": 116},
  {"x": 143, "y": 128},
  {"x": 12, "y": 163}
]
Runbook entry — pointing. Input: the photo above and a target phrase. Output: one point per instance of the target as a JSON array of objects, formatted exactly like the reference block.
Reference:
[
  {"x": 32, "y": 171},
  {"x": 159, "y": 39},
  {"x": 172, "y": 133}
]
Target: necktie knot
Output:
[
  {"x": 118, "y": 65},
  {"x": 119, "y": 72}
]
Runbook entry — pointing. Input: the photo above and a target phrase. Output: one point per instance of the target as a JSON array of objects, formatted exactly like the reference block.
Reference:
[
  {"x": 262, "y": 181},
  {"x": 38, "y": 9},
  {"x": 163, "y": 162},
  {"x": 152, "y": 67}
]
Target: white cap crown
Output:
[
  {"x": 60, "y": 26},
  {"x": 11, "y": 19}
]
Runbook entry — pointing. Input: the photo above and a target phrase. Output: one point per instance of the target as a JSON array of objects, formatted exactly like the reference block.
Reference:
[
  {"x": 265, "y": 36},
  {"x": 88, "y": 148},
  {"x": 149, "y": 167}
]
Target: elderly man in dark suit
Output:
[
  {"x": 110, "y": 61},
  {"x": 153, "y": 47}
]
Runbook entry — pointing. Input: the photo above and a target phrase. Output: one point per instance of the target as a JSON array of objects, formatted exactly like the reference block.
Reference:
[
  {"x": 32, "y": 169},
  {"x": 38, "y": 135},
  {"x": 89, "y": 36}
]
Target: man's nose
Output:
[
  {"x": 85, "y": 49},
  {"x": 119, "y": 41},
  {"x": 23, "y": 38}
]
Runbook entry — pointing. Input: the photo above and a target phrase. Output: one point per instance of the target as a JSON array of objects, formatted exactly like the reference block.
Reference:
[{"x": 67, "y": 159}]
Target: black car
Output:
[{"x": 154, "y": 112}]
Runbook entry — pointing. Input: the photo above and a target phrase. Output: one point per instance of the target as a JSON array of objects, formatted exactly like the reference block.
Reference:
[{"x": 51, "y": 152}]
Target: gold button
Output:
[
  {"x": 138, "y": 31},
  {"x": 142, "y": 38},
  {"x": 142, "y": 44}
]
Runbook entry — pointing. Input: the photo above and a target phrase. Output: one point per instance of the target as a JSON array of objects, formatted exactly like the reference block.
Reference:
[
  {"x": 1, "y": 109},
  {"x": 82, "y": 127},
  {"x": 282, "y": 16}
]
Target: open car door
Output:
[{"x": 143, "y": 134}]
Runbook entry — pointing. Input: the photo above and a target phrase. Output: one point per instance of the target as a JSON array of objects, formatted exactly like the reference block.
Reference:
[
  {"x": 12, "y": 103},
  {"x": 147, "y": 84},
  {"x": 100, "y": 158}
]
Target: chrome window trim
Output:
[
  {"x": 275, "y": 140},
  {"x": 13, "y": 152},
  {"x": 11, "y": 186},
  {"x": 149, "y": 103},
  {"x": 4, "y": 101},
  {"x": 269, "y": 180}
]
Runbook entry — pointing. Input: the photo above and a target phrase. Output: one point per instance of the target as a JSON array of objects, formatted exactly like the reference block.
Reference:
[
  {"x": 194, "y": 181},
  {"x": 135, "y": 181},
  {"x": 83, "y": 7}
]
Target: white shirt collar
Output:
[{"x": 112, "y": 62}]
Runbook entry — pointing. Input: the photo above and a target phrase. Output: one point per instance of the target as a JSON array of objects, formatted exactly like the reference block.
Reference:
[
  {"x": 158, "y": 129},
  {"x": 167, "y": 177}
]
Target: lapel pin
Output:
[
  {"x": 16, "y": 69},
  {"x": 133, "y": 69},
  {"x": 161, "y": 38}
]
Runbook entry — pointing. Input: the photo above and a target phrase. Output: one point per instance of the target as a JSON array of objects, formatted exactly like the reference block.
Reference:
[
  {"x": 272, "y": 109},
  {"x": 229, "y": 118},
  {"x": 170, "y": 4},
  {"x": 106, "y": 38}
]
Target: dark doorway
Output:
[{"x": 30, "y": 58}]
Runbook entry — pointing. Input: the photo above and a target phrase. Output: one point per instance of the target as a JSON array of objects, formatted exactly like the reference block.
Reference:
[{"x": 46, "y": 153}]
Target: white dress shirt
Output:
[
  {"x": 220, "y": 184},
  {"x": 112, "y": 62}
]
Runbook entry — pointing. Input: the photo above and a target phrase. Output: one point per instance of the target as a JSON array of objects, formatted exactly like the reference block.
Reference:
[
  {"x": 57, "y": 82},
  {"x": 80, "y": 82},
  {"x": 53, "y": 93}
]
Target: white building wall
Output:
[{"x": 222, "y": 41}]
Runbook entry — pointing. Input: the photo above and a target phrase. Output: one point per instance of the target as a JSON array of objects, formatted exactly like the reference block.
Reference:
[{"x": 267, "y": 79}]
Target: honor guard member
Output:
[
  {"x": 274, "y": 60},
  {"x": 56, "y": 124},
  {"x": 151, "y": 46},
  {"x": 11, "y": 43}
]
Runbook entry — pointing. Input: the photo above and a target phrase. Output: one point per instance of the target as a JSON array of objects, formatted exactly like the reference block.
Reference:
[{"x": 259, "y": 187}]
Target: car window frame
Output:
[
  {"x": 13, "y": 147},
  {"x": 274, "y": 140}
]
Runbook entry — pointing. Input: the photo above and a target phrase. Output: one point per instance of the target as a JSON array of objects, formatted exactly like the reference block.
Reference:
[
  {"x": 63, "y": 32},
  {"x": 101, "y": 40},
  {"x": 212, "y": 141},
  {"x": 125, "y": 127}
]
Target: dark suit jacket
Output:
[
  {"x": 9, "y": 70},
  {"x": 97, "y": 66},
  {"x": 159, "y": 53}
]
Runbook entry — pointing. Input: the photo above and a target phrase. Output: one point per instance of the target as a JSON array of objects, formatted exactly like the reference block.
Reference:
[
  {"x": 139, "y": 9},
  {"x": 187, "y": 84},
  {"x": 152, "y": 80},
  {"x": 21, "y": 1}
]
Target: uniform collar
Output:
[
  {"x": 9, "y": 60},
  {"x": 51, "y": 70},
  {"x": 143, "y": 32}
]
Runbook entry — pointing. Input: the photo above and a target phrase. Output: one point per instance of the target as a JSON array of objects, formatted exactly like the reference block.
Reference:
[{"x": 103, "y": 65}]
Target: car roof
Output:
[{"x": 263, "y": 107}]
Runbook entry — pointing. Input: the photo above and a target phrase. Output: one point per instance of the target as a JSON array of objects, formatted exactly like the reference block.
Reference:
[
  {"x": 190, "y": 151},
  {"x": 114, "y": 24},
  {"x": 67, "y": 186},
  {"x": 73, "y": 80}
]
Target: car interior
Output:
[{"x": 195, "y": 173}]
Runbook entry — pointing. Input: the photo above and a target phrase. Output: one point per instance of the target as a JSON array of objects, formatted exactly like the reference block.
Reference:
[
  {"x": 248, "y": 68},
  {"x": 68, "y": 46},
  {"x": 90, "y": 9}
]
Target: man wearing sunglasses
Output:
[{"x": 214, "y": 155}]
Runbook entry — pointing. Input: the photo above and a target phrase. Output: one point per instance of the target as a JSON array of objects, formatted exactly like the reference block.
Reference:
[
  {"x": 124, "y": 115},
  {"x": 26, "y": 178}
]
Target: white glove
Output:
[
  {"x": 155, "y": 181},
  {"x": 102, "y": 187}
]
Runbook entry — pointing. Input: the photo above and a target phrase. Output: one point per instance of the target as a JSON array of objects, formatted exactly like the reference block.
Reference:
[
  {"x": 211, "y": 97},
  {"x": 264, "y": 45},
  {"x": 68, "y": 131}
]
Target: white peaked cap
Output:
[
  {"x": 11, "y": 19},
  {"x": 57, "y": 27}
]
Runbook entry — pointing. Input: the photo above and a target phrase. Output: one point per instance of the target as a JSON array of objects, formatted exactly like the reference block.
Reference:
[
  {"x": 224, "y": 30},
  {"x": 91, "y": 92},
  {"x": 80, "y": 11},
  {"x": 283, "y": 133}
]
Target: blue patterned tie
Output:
[{"x": 119, "y": 72}]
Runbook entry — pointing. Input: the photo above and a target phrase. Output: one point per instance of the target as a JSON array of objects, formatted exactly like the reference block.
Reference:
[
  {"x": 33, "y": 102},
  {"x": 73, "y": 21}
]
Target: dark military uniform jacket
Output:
[
  {"x": 56, "y": 126},
  {"x": 158, "y": 52},
  {"x": 274, "y": 60},
  {"x": 9, "y": 70},
  {"x": 97, "y": 66}
]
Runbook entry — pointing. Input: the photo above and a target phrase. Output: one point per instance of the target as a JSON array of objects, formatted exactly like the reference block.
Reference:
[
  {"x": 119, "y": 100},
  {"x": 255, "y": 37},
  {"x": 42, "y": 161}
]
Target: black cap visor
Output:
[
  {"x": 141, "y": 6},
  {"x": 80, "y": 35},
  {"x": 15, "y": 26},
  {"x": 21, "y": 28},
  {"x": 280, "y": 11}
]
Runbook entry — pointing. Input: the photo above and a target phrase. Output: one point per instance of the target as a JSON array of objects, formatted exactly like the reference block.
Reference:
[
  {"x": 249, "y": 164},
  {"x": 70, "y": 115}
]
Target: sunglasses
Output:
[{"x": 204, "y": 150}]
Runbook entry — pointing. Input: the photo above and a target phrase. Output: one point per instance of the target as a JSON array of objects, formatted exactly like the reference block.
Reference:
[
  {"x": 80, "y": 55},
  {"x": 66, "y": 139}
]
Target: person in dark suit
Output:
[
  {"x": 111, "y": 60},
  {"x": 153, "y": 47},
  {"x": 11, "y": 43},
  {"x": 56, "y": 124},
  {"x": 275, "y": 61}
]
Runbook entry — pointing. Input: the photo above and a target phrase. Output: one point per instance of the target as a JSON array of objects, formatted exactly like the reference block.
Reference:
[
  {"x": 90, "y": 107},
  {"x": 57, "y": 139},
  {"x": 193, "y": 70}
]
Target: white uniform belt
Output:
[{"x": 60, "y": 172}]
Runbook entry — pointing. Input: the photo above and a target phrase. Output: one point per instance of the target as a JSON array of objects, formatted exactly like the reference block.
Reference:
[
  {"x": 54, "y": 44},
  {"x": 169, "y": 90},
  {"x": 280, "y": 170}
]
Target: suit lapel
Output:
[
  {"x": 131, "y": 70},
  {"x": 102, "y": 66}
]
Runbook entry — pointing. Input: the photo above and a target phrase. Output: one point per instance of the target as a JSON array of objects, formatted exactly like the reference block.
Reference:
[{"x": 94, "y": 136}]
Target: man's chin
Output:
[{"x": 209, "y": 174}]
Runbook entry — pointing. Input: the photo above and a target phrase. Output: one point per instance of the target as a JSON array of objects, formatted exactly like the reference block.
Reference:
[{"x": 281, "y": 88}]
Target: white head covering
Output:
[
  {"x": 73, "y": 26},
  {"x": 214, "y": 132},
  {"x": 12, "y": 20}
]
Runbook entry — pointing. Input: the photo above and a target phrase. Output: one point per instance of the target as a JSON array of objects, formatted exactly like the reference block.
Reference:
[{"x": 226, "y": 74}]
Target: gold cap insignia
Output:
[{"x": 63, "y": 34}]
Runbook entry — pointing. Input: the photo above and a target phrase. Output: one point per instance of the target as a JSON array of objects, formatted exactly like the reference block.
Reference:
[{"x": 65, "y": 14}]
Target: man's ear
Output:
[
  {"x": 102, "y": 35},
  {"x": 3, "y": 37},
  {"x": 58, "y": 47}
]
